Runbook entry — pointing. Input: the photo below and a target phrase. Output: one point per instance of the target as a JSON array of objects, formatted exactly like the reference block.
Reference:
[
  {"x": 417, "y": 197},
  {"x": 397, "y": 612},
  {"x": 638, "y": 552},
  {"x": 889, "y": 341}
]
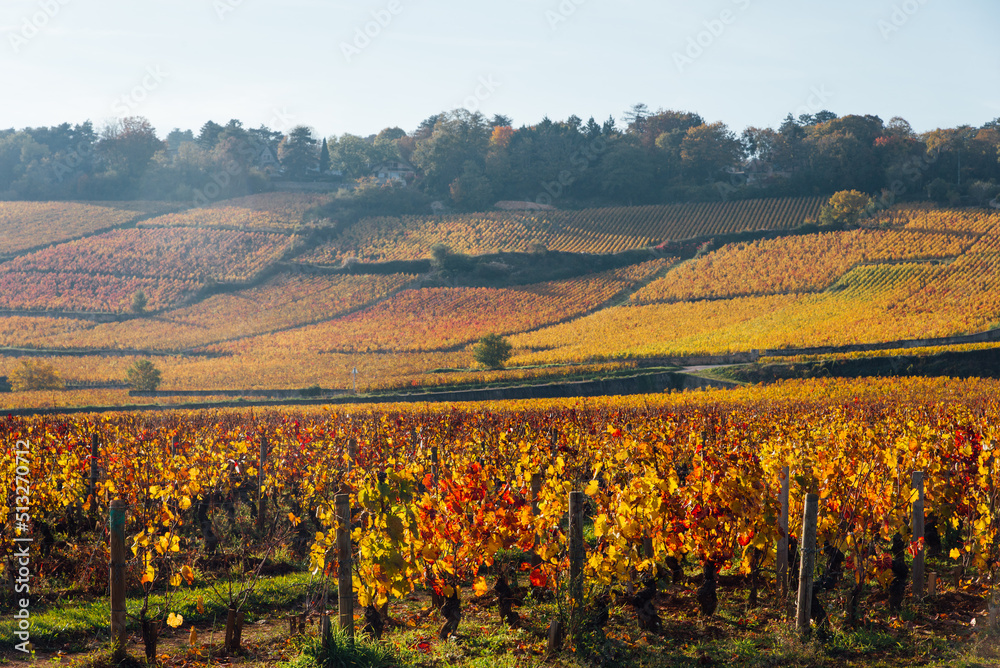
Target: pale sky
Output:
[{"x": 290, "y": 62}]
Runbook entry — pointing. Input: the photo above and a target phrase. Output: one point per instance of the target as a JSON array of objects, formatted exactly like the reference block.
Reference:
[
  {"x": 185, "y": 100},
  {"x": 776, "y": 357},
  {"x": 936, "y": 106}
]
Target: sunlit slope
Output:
[
  {"x": 25, "y": 225},
  {"x": 607, "y": 230}
]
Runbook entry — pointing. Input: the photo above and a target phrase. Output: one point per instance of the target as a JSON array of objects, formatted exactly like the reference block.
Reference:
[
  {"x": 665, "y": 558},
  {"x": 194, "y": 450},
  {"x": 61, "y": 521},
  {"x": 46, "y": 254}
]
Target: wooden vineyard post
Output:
[
  {"x": 95, "y": 443},
  {"x": 345, "y": 584},
  {"x": 536, "y": 489},
  {"x": 173, "y": 445},
  {"x": 932, "y": 584},
  {"x": 352, "y": 453},
  {"x": 918, "y": 535},
  {"x": 434, "y": 465},
  {"x": 781, "y": 568},
  {"x": 324, "y": 618},
  {"x": 261, "y": 499},
  {"x": 807, "y": 550},
  {"x": 576, "y": 553},
  {"x": 117, "y": 576},
  {"x": 234, "y": 631}
]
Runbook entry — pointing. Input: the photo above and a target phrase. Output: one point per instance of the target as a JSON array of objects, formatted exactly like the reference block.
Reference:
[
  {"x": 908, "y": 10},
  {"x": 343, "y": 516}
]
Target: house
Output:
[{"x": 394, "y": 170}]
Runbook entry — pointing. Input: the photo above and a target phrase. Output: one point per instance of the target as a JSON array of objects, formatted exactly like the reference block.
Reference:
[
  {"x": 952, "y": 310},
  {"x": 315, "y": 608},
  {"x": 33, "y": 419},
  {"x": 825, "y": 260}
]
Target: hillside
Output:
[{"x": 238, "y": 297}]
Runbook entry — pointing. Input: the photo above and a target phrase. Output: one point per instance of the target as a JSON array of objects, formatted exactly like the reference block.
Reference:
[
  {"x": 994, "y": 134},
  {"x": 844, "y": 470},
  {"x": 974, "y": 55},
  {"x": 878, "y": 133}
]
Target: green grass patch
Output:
[{"x": 72, "y": 621}]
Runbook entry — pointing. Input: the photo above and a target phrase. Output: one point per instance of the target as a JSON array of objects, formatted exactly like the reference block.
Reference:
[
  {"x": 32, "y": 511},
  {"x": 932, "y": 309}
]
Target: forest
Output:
[{"x": 468, "y": 161}]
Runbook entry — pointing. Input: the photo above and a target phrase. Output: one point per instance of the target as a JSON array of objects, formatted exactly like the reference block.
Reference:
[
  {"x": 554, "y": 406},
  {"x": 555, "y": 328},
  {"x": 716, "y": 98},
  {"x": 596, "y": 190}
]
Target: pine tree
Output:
[{"x": 324, "y": 158}]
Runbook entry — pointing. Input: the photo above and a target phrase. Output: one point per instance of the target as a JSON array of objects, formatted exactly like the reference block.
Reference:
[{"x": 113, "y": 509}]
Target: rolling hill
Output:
[{"x": 242, "y": 295}]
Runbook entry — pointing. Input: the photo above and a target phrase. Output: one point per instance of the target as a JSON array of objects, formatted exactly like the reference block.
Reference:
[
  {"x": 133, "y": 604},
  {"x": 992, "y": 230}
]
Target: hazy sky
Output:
[{"x": 290, "y": 62}]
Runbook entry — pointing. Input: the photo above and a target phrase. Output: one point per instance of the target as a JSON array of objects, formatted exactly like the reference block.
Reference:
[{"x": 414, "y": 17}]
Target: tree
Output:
[
  {"x": 846, "y": 207},
  {"x": 209, "y": 135},
  {"x": 708, "y": 149},
  {"x": 143, "y": 376},
  {"x": 458, "y": 138},
  {"x": 128, "y": 145},
  {"x": 297, "y": 152},
  {"x": 472, "y": 190},
  {"x": 139, "y": 302},
  {"x": 635, "y": 117},
  {"x": 445, "y": 260},
  {"x": 493, "y": 351},
  {"x": 324, "y": 158},
  {"x": 353, "y": 155},
  {"x": 31, "y": 375}
]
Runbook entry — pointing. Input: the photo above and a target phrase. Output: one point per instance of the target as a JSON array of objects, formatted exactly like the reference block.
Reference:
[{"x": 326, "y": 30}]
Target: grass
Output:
[
  {"x": 737, "y": 635},
  {"x": 71, "y": 623}
]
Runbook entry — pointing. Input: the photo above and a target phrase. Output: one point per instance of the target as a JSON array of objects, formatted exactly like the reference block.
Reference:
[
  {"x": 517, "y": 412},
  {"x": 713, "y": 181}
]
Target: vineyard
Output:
[
  {"x": 182, "y": 254},
  {"x": 284, "y": 302},
  {"x": 870, "y": 304},
  {"x": 909, "y": 273},
  {"x": 78, "y": 291},
  {"x": 268, "y": 212},
  {"x": 32, "y": 224},
  {"x": 806, "y": 263},
  {"x": 680, "y": 491},
  {"x": 433, "y": 319},
  {"x": 586, "y": 231}
]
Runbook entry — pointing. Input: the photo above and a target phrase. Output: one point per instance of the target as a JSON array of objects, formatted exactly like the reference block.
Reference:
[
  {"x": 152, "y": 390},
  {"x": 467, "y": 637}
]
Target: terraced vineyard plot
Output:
[
  {"x": 181, "y": 254},
  {"x": 283, "y": 302},
  {"x": 74, "y": 291},
  {"x": 871, "y": 304},
  {"x": 588, "y": 231},
  {"x": 34, "y": 331},
  {"x": 696, "y": 219},
  {"x": 794, "y": 264},
  {"x": 264, "y": 212},
  {"x": 411, "y": 238},
  {"x": 438, "y": 318},
  {"x": 975, "y": 221},
  {"x": 26, "y": 225}
]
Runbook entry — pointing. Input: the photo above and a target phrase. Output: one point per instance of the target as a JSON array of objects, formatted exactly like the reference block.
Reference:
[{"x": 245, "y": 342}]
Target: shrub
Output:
[
  {"x": 493, "y": 351},
  {"x": 143, "y": 376},
  {"x": 32, "y": 375},
  {"x": 846, "y": 208},
  {"x": 139, "y": 302}
]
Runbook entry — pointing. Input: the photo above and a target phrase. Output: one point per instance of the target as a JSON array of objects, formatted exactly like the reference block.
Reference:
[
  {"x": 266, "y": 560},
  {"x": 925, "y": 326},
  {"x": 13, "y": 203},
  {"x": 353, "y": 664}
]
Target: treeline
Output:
[{"x": 469, "y": 161}]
